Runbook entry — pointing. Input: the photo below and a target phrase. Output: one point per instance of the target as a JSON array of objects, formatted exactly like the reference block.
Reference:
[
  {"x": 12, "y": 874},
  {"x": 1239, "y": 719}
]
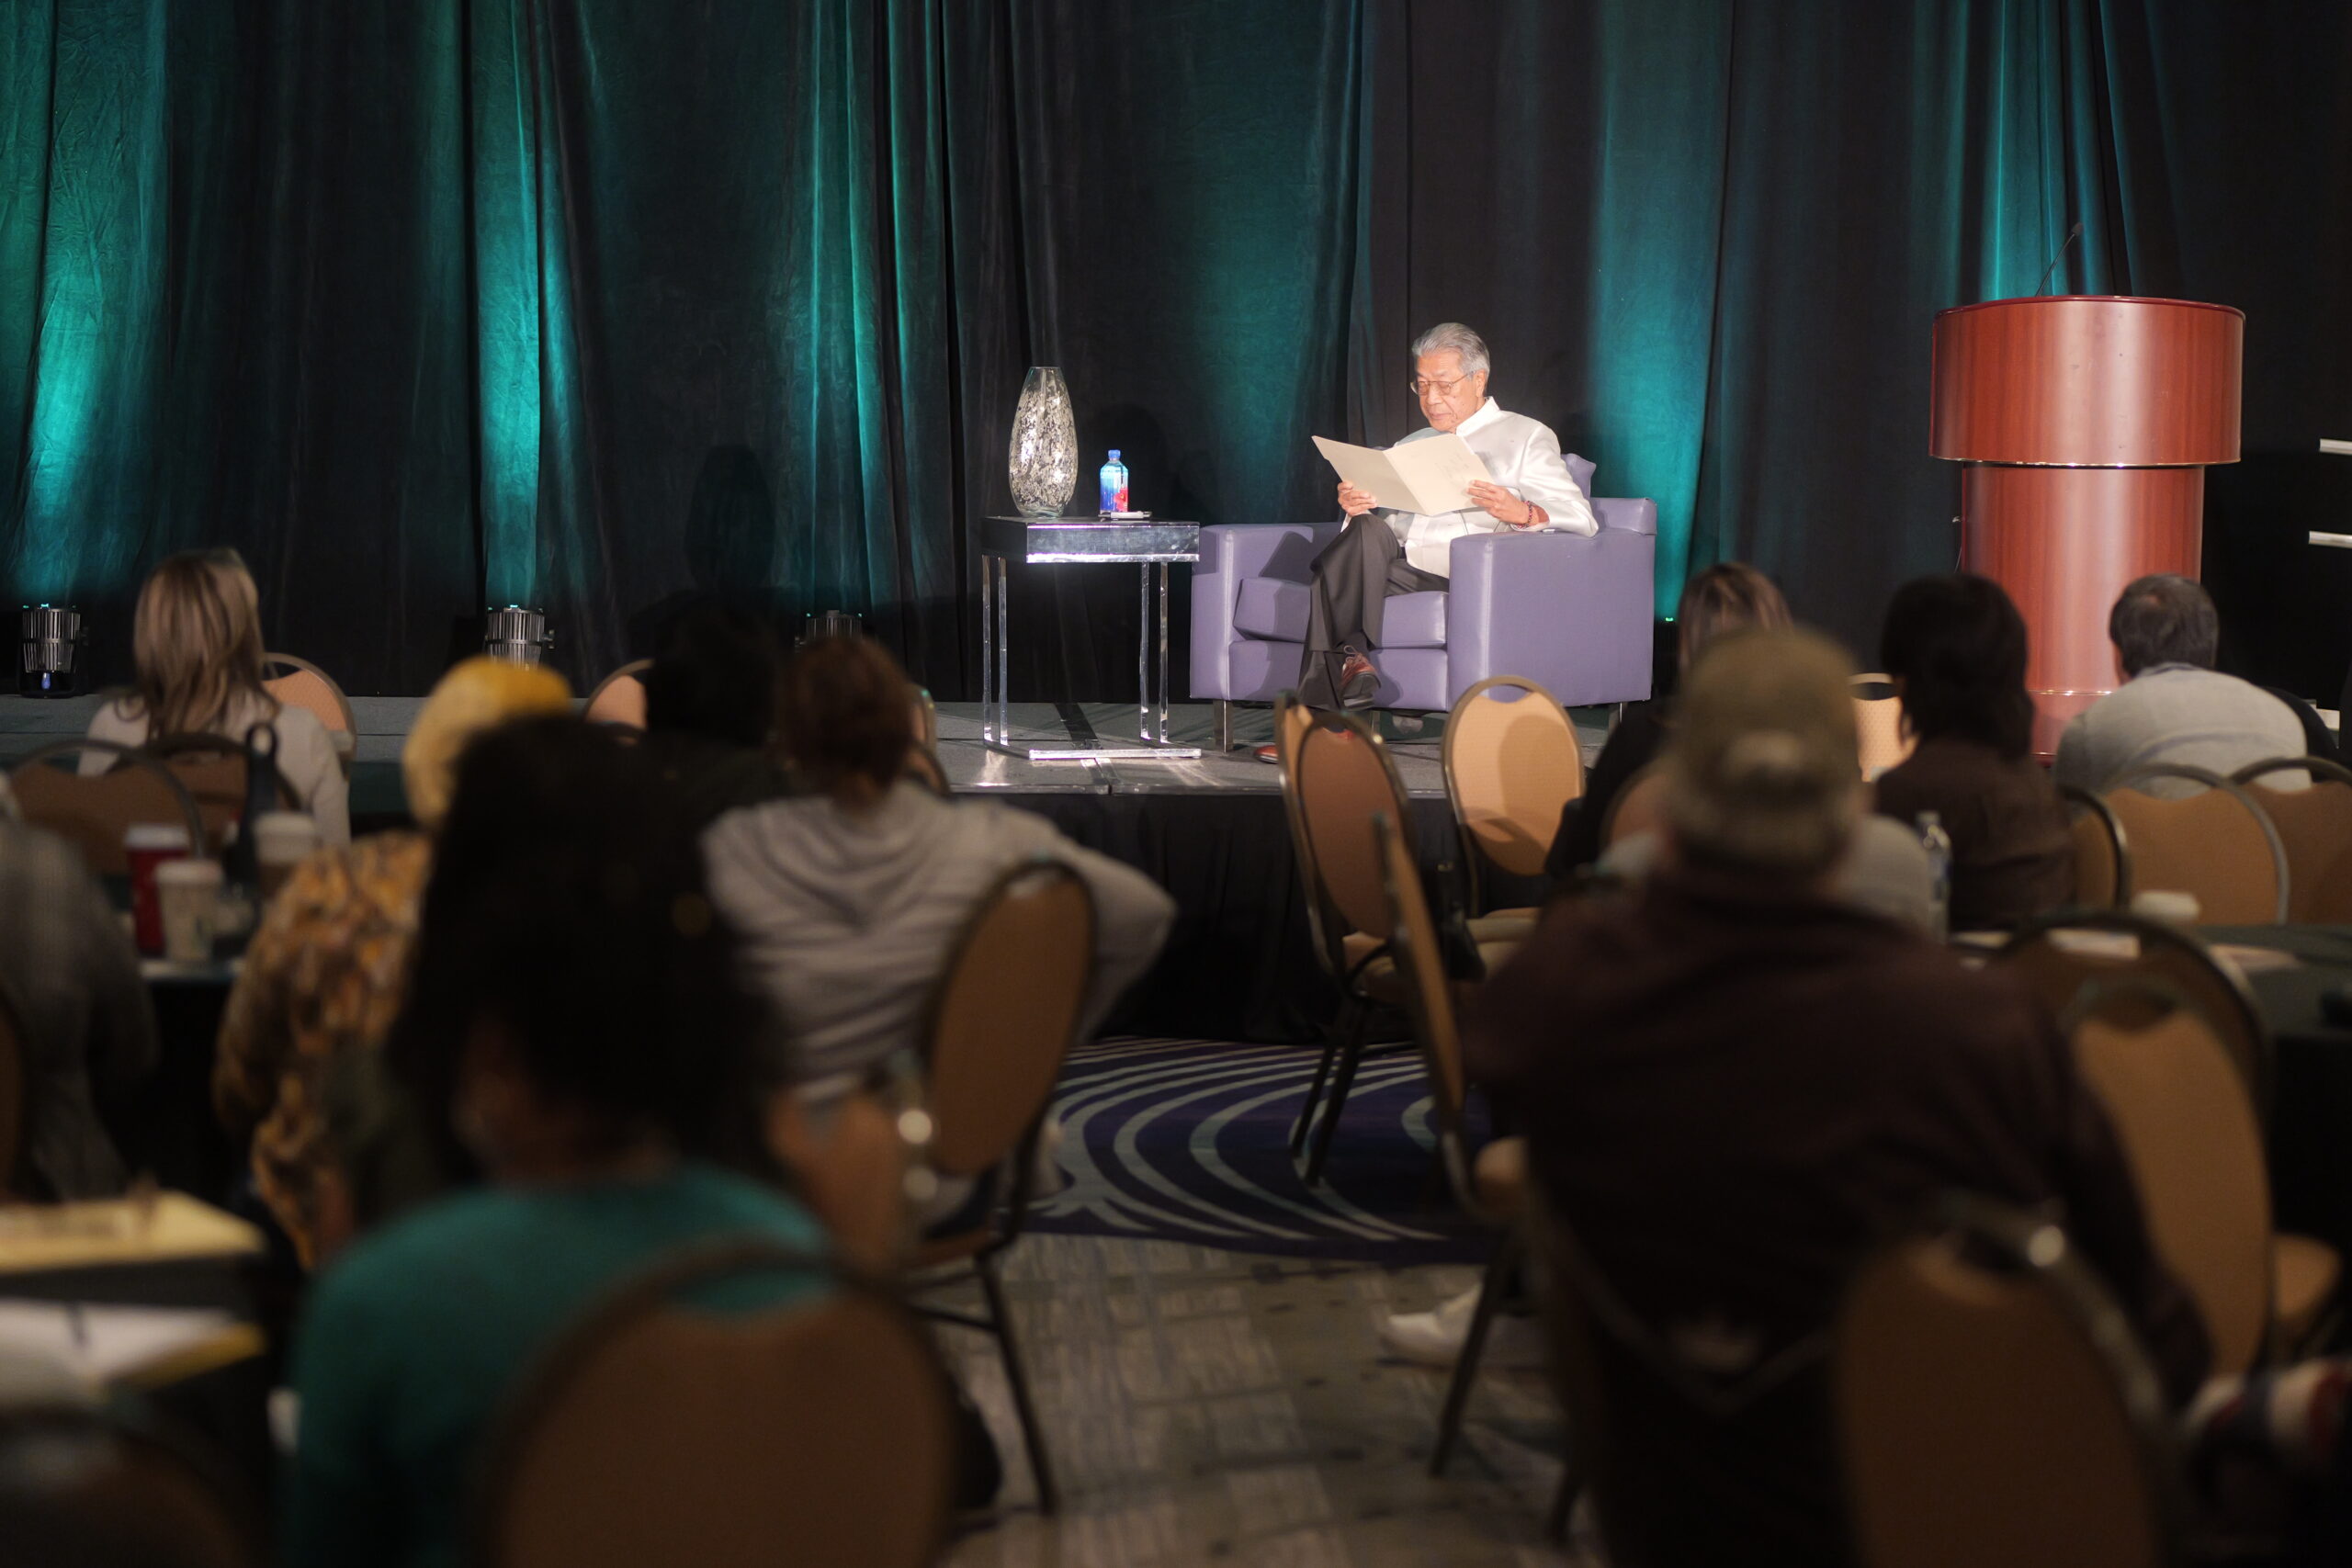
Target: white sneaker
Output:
[{"x": 1434, "y": 1338}]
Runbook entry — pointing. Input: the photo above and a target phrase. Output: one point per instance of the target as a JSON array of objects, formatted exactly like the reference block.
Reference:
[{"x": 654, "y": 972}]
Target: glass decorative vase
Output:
[{"x": 1043, "y": 462}]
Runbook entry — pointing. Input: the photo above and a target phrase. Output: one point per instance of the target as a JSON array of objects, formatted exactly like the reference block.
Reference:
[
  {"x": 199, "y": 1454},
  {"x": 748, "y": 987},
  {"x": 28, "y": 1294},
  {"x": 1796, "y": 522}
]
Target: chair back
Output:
[
  {"x": 298, "y": 684},
  {"x": 2188, "y": 1131},
  {"x": 1512, "y": 763},
  {"x": 1878, "y": 725},
  {"x": 619, "y": 697},
  {"x": 213, "y": 769},
  {"x": 2098, "y": 849},
  {"x": 1005, "y": 1014},
  {"x": 94, "y": 812},
  {"x": 1993, "y": 1407},
  {"x": 2218, "y": 844},
  {"x": 656, "y": 1429},
  {"x": 2059, "y": 956},
  {"x": 77, "y": 1486},
  {"x": 1344, "y": 778},
  {"x": 1640, "y": 807},
  {"x": 15, "y": 1102},
  {"x": 2316, "y": 825}
]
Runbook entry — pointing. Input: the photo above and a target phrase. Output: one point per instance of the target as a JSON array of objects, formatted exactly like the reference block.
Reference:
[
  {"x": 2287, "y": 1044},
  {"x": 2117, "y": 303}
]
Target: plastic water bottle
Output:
[
  {"x": 1938, "y": 844},
  {"x": 1114, "y": 484}
]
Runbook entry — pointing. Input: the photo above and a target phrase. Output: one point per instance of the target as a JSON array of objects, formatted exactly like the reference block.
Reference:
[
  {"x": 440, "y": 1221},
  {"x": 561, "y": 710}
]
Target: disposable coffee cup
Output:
[
  {"x": 2171, "y": 908},
  {"x": 145, "y": 846},
  {"x": 282, "y": 840},
  {"x": 188, "y": 896}
]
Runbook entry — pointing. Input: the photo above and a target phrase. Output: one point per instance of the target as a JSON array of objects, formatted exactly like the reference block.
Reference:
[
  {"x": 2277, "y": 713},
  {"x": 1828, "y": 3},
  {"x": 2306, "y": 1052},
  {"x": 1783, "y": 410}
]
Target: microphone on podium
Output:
[{"x": 2064, "y": 245}]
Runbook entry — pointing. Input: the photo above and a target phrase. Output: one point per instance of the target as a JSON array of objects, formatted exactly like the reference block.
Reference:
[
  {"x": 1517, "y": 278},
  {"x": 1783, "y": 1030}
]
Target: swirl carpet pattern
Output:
[{"x": 1188, "y": 1141}]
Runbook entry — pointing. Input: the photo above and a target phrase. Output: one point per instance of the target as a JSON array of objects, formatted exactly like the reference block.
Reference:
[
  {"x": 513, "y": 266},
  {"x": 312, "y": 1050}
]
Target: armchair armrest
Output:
[
  {"x": 1572, "y": 611},
  {"x": 1229, "y": 554}
]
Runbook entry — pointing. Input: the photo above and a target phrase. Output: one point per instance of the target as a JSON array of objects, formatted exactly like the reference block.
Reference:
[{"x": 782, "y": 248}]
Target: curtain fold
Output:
[{"x": 601, "y": 307}]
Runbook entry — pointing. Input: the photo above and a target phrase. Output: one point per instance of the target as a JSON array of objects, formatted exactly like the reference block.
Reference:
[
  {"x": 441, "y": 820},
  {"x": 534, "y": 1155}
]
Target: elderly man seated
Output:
[
  {"x": 2174, "y": 706},
  {"x": 1383, "y": 552}
]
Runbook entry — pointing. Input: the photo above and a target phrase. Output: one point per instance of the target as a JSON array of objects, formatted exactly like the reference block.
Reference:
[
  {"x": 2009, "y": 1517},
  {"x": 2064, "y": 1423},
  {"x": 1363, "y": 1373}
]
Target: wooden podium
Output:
[{"x": 2084, "y": 424}]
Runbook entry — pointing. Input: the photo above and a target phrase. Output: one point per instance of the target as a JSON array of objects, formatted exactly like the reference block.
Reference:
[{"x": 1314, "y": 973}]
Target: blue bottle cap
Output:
[{"x": 1115, "y": 454}]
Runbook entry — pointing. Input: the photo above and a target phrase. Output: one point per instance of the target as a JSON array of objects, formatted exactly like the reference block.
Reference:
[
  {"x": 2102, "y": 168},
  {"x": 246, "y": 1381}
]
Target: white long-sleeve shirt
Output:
[{"x": 1523, "y": 456}]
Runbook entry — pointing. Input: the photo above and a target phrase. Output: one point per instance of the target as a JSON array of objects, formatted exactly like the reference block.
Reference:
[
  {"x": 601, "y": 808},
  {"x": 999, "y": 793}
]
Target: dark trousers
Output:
[{"x": 1355, "y": 577}]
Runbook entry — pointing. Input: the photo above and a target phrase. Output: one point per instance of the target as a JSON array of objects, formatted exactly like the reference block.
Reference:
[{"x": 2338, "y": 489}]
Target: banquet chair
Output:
[
  {"x": 1878, "y": 725},
  {"x": 691, "y": 1417},
  {"x": 88, "y": 1486},
  {"x": 2060, "y": 956},
  {"x": 15, "y": 1104},
  {"x": 1512, "y": 763},
  {"x": 619, "y": 697},
  {"x": 2098, "y": 849},
  {"x": 1994, "y": 1406},
  {"x": 213, "y": 769},
  {"x": 1000, "y": 1023},
  {"x": 2316, "y": 825},
  {"x": 1336, "y": 775},
  {"x": 1491, "y": 1187},
  {"x": 2189, "y": 1132},
  {"x": 298, "y": 684},
  {"x": 92, "y": 813},
  {"x": 2218, "y": 844}
]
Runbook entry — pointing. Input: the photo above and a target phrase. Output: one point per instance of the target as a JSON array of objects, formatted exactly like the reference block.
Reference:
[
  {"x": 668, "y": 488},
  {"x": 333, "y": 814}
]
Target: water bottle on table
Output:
[
  {"x": 1938, "y": 844},
  {"x": 1115, "y": 485}
]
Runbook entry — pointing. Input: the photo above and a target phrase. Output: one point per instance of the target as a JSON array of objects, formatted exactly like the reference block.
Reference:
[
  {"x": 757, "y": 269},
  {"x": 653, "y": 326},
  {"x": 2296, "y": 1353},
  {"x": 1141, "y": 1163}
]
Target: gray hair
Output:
[
  {"x": 1457, "y": 337},
  {"x": 2163, "y": 620}
]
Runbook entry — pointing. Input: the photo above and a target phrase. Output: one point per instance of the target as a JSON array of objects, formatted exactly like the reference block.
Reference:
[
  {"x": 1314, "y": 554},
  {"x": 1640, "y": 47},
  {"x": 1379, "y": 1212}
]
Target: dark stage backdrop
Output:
[{"x": 596, "y": 304}]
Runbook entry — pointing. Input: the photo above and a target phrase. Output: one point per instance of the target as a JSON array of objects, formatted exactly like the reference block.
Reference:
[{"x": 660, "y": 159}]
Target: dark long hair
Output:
[
  {"x": 1958, "y": 645},
  {"x": 568, "y": 906}
]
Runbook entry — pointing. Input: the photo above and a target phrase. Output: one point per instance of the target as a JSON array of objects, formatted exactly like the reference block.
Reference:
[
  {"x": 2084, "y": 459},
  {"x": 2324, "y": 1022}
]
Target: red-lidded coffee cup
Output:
[{"x": 145, "y": 846}]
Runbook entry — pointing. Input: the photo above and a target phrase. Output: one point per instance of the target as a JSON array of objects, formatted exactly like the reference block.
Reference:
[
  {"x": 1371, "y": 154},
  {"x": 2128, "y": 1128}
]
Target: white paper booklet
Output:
[{"x": 1429, "y": 476}]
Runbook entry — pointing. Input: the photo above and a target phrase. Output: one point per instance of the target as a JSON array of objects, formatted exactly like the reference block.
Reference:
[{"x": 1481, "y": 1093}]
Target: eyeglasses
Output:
[{"x": 1419, "y": 386}]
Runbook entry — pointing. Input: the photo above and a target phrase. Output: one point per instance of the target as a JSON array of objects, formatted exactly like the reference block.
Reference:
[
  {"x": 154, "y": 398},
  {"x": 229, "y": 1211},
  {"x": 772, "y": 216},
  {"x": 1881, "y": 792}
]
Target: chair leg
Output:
[
  {"x": 1344, "y": 1078},
  {"x": 1343, "y": 1027},
  {"x": 1017, "y": 1376},
  {"x": 1474, "y": 1346},
  {"x": 1564, "y": 1503},
  {"x": 1223, "y": 727}
]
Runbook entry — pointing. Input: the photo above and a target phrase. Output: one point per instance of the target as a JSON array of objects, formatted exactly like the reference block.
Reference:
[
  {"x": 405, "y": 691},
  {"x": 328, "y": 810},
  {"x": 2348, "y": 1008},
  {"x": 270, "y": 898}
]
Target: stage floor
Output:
[{"x": 27, "y": 724}]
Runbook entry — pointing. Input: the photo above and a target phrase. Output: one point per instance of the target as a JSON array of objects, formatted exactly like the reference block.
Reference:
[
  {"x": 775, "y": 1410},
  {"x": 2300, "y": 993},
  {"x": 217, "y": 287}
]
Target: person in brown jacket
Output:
[
  {"x": 1956, "y": 648},
  {"x": 1734, "y": 1088}
]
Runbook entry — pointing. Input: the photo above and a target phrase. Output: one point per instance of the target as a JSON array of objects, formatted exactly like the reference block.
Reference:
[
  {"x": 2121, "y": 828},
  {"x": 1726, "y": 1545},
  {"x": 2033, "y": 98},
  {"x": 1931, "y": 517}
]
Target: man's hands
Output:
[
  {"x": 1501, "y": 503},
  {"x": 1353, "y": 501}
]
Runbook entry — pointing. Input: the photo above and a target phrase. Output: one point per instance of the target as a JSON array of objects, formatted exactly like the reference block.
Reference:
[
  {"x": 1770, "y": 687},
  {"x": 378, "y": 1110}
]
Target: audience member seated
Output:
[
  {"x": 1725, "y": 597},
  {"x": 710, "y": 711},
  {"x": 851, "y": 898},
  {"x": 197, "y": 652},
  {"x": 2174, "y": 706},
  {"x": 577, "y": 1028},
  {"x": 1733, "y": 1086},
  {"x": 326, "y": 969},
  {"x": 1956, "y": 650},
  {"x": 84, "y": 1025}
]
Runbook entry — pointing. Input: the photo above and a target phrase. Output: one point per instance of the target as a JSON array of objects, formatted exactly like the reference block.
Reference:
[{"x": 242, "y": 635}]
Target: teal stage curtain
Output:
[{"x": 600, "y": 306}]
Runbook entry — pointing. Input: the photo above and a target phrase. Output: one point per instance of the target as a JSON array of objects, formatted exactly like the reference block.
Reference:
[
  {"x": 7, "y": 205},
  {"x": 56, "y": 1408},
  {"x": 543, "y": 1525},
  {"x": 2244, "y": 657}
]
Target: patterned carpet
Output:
[{"x": 1188, "y": 1141}]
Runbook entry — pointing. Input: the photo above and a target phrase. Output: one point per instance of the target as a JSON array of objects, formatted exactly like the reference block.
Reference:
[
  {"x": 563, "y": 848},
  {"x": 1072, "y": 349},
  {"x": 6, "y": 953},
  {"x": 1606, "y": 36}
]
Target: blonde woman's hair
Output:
[
  {"x": 478, "y": 694},
  {"x": 196, "y": 640}
]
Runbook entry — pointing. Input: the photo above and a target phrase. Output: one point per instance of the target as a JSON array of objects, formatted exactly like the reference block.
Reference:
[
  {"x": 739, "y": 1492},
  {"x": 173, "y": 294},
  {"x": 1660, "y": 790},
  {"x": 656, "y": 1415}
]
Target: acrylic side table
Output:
[{"x": 1144, "y": 543}]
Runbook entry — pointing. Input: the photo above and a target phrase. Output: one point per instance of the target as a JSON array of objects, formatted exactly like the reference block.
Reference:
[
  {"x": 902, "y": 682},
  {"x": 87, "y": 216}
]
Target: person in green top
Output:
[{"x": 577, "y": 1045}]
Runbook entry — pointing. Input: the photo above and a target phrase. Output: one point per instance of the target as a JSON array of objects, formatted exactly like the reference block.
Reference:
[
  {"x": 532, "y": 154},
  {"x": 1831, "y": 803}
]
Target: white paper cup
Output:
[
  {"x": 2165, "y": 905},
  {"x": 188, "y": 894},
  {"x": 282, "y": 840}
]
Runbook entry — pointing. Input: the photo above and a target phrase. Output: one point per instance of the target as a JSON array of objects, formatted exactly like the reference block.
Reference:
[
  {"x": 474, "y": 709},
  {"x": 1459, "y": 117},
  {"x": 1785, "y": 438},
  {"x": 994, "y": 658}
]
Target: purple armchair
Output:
[{"x": 1567, "y": 610}]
